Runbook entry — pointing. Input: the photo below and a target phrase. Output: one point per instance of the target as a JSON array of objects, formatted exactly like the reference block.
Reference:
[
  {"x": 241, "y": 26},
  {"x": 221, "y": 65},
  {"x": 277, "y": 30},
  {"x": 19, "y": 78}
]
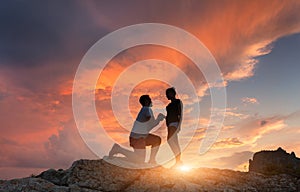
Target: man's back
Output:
[{"x": 142, "y": 124}]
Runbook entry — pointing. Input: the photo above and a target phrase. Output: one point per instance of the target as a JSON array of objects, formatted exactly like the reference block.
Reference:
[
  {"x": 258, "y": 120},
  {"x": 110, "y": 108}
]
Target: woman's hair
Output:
[
  {"x": 171, "y": 90},
  {"x": 143, "y": 99}
]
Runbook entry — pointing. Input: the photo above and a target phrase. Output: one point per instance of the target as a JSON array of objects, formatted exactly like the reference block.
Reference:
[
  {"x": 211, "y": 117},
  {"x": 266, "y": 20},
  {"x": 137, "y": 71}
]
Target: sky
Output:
[{"x": 255, "y": 44}]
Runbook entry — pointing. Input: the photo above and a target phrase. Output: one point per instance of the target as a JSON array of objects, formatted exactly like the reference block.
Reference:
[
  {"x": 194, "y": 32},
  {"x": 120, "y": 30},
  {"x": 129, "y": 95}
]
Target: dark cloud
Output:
[
  {"x": 67, "y": 145},
  {"x": 34, "y": 32},
  {"x": 263, "y": 122},
  {"x": 16, "y": 154},
  {"x": 3, "y": 95},
  {"x": 5, "y": 141}
]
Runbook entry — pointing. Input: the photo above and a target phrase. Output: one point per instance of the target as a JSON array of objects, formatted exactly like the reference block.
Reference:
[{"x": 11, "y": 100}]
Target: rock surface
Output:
[
  {"x": 98, "y": 175},
  {"x": 275, "y": 162}
]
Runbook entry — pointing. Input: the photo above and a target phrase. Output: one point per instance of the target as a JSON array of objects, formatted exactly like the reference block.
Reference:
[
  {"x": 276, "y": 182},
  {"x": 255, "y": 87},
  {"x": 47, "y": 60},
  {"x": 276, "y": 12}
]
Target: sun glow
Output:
[{"x": 184, "y": 168}]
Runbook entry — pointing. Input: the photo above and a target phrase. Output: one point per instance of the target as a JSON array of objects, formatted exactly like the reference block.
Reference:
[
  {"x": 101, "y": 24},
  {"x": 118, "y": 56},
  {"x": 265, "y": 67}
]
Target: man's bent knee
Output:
[
  {"x": 157, "y": 141},
  {"x": 154, "y": 140}
]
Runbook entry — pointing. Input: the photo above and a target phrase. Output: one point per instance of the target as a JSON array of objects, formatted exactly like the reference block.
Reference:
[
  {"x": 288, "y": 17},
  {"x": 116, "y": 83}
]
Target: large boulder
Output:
[{"x": 275, "y": 162}]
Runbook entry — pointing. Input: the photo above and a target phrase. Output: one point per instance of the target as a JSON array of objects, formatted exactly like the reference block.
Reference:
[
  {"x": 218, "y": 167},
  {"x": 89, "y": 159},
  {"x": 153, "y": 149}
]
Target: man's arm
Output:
[{"x": 155, "y": 122}]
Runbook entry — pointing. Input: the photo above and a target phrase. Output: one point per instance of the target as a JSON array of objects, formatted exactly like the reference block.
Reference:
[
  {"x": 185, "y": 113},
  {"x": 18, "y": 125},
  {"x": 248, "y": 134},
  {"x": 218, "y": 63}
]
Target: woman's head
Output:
[{"x": 170, "y": 93}]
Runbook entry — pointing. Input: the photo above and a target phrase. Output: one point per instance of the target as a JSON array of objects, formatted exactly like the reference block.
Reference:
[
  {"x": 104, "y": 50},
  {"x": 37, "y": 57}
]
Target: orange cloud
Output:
[
  {"x": 233, "y": 32},
  {"x": 228, "y": 142},
  {"x": 232, "y": 113}
]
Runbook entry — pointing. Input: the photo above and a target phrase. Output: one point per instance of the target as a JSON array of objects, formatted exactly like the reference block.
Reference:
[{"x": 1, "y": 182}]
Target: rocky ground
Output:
[{"x": 98, "y": 175}]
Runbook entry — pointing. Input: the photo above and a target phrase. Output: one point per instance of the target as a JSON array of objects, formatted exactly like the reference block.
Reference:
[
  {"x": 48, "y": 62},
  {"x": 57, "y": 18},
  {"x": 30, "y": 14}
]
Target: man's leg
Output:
[
  {"x": 139, "y": 148},
  {"x": 154, "y": 141},
  {"x": 137, "y": 156},
  {"x": 174, "y": 143}
]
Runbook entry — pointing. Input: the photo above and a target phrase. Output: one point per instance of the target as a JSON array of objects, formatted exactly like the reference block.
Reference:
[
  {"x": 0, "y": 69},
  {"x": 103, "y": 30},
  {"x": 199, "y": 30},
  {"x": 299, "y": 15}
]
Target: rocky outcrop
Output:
[
  {"x": 98, "y": 175},
  {"x": 275, "y": 162}
]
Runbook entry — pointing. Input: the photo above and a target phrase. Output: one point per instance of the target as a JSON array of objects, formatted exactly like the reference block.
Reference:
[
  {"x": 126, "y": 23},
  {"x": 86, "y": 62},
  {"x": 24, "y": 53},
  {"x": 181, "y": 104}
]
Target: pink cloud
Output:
[
  {"x": 250, "y": 100},
  {"x": 252, "y": 129},
  {"x": 234, "y": 160},
  {"x": 19, "y": 172},
  {"x": 59, "y": 151}
]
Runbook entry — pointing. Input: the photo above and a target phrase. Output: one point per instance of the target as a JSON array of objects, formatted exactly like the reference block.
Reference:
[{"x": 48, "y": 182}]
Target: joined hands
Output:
[{"x": 161, "y": 117}]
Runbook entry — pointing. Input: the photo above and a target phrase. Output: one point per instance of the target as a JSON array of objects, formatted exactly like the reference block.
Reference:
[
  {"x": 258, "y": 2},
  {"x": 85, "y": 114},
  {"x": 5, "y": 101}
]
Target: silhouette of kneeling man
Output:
[{"x": 140, "y": 135}]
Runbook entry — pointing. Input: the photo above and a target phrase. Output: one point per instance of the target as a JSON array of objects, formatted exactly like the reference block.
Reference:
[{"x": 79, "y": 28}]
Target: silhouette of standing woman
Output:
[{"x": 173, "y": 120}]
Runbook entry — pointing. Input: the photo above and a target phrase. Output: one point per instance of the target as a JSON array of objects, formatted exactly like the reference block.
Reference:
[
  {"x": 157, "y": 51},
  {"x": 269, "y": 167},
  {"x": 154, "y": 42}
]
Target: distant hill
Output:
[
  {"x": 275, "y": 162},
  {"x": 98, "y": 175}
]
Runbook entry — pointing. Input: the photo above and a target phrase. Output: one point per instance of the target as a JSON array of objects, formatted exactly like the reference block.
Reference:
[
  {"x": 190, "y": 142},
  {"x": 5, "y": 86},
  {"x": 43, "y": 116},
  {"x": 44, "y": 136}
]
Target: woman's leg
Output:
[{"x": 174, "y": 143}]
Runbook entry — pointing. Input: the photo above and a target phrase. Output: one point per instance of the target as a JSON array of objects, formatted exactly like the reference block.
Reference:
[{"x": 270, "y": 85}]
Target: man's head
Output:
[
  {"x": 145, "y": 100},
  {"x": 170, "y": 93}
]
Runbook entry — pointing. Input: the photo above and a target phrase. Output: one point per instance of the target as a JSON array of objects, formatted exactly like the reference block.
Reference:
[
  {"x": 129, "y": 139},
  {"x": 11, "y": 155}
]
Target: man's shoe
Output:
[{"x": 114, "y": 150}]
